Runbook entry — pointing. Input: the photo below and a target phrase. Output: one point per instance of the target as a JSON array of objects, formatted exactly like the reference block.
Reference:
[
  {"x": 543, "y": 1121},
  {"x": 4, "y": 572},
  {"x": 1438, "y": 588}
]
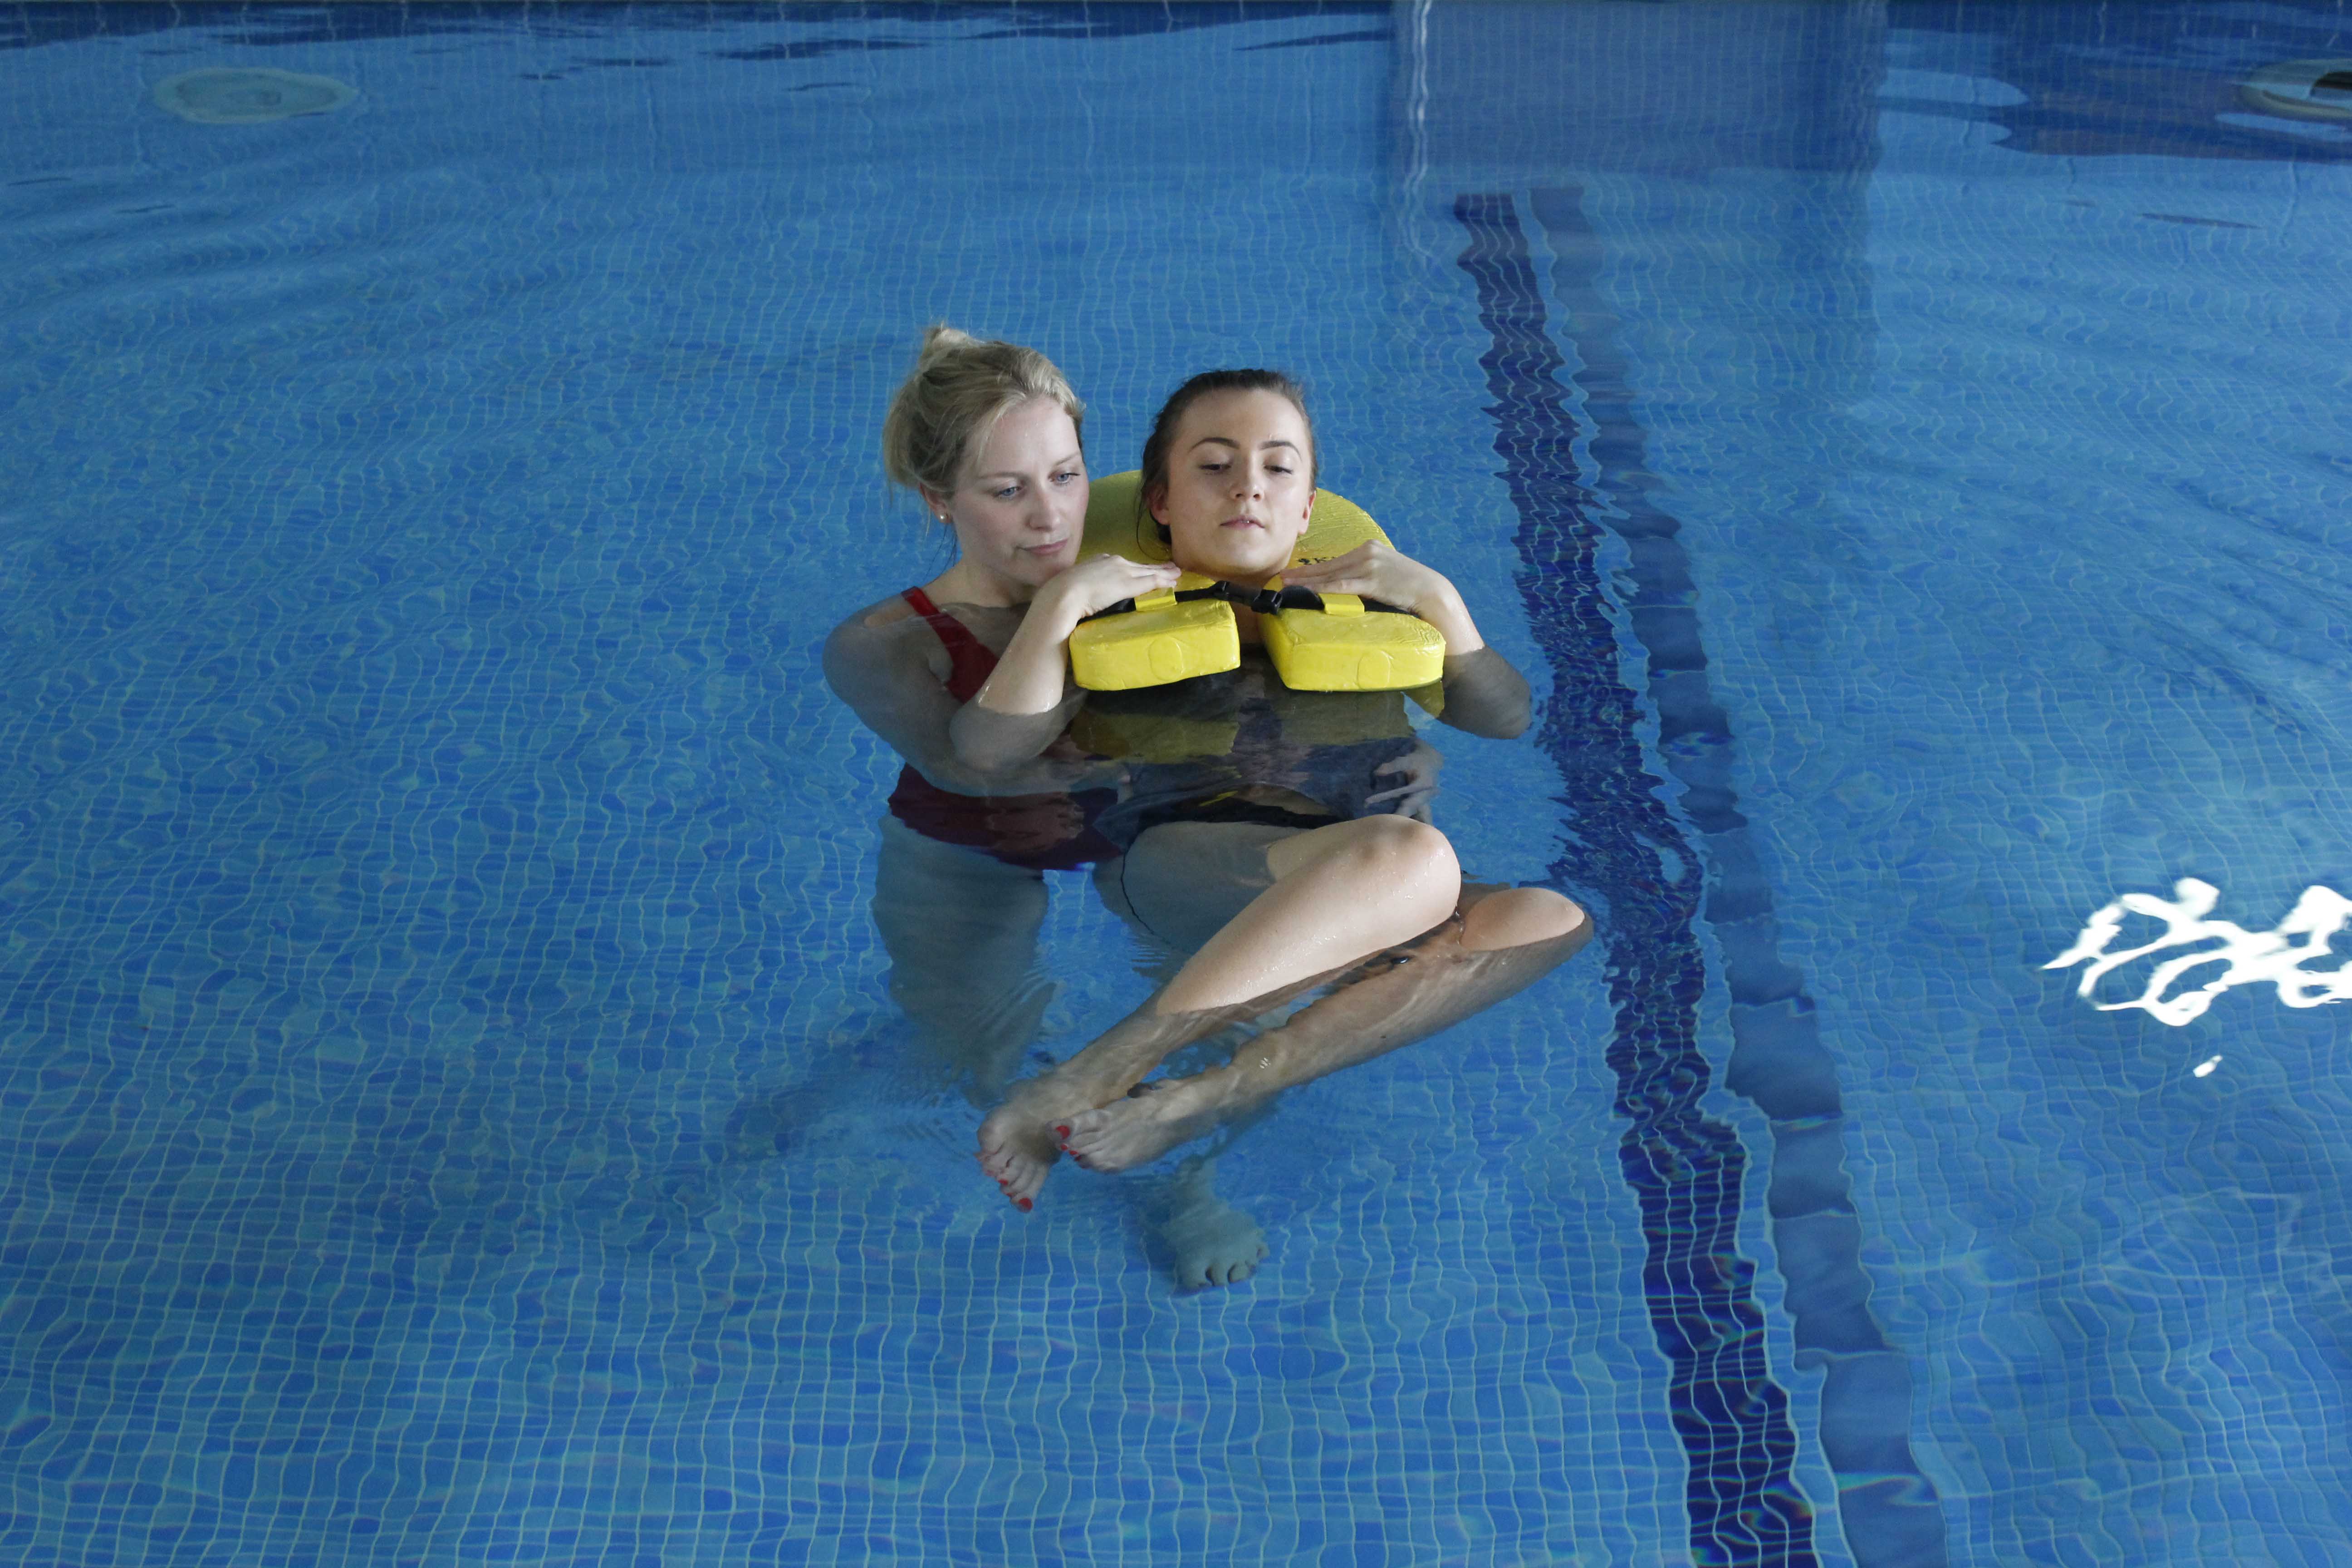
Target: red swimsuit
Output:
[
  {"x": 973, "y": 663},
  {"x": 1042, "y": 832}
]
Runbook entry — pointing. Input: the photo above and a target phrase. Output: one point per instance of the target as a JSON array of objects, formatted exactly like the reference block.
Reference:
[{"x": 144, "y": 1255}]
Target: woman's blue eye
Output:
[{"x": 1008, "y": 492}]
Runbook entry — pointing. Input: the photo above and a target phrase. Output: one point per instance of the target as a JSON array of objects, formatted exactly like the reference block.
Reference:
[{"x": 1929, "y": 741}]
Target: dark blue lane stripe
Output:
[
  {"x": 1626, "y": 848},
  {"x": 1889, "y": 1512}
]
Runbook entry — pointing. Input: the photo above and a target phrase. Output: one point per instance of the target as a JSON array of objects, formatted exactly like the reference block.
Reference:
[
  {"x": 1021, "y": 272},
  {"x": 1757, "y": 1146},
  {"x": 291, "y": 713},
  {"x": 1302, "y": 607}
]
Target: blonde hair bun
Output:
[
  {"x": 940, "y": 339},
  {"x": 960, "y": 386}
]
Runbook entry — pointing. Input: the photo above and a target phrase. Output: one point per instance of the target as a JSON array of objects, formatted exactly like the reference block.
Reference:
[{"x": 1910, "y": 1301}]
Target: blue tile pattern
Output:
[
  {"x": 1887, "y": 1510},
  {"x": 1626, "y": 847},
  {"x": 451, "y": 1109},
  {"x": 454, "y": 1113}
]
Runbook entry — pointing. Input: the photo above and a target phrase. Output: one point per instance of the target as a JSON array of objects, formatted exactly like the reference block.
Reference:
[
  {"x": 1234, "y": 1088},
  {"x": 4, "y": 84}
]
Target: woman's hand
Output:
[
  {"x": 1093, "y": 586},
  {"x": 1419, "y": 769},
  {"x": 1030, "y": 675},
  {"x": 1375, "y": 570}
]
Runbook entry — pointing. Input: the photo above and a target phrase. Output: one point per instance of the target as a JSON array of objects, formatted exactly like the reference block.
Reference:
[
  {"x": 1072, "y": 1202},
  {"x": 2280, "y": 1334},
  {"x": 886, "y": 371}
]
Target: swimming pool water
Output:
[{"x": 453, "y": 1112}]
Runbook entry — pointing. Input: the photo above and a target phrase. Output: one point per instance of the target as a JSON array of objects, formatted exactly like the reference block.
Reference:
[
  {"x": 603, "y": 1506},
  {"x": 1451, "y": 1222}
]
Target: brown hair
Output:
[
  {"x": 960, "y": 386},
  {"x": 1171, "y": 413}
]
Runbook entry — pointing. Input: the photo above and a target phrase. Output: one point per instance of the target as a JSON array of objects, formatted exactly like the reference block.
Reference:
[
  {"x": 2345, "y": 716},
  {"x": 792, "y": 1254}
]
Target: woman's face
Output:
[
  {"x": 1239, "y": 486},
  {"x": 1021, "y": 510}
]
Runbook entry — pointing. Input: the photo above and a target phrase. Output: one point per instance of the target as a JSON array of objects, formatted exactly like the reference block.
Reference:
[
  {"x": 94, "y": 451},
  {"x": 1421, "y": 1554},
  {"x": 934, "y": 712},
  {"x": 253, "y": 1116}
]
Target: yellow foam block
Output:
[
  {"x": 1342, "y": 647},
  {"x": 1327, "y": 651},
  {"x": 1154, "y": 645}
]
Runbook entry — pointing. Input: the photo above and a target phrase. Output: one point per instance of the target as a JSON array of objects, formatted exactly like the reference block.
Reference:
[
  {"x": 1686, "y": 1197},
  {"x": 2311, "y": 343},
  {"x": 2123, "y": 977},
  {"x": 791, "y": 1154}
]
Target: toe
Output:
[{"x": 1077, "y": 1134}]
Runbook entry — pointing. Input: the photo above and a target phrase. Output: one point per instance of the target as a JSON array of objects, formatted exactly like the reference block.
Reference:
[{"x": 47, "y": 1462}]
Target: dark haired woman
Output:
[{"x": 1271, "y": 871}]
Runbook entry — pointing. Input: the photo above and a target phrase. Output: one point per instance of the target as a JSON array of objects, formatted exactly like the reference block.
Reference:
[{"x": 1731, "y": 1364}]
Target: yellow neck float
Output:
[{"x": 1319, "y": 642}]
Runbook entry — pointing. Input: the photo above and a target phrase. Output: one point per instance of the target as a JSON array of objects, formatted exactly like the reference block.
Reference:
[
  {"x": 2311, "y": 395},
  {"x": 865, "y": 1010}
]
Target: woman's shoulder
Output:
[
  {"x": 896, "y": 631},
  {"x": 884, "y": 636},
  {"x": 879, "y": 616}
]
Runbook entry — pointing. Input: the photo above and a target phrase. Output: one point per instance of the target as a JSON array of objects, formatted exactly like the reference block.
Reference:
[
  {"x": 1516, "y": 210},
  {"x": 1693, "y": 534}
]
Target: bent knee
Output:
[
  {"x": 1391, "y": 847},
  {"x": 1517, "y": 917},
  {"x": 1405, "y": 851},
  {"x": 1405, "y": 837}
]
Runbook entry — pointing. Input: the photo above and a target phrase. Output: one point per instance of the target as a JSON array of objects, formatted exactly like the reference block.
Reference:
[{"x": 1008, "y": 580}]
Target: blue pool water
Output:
[{"x": 451, "y": 1111}]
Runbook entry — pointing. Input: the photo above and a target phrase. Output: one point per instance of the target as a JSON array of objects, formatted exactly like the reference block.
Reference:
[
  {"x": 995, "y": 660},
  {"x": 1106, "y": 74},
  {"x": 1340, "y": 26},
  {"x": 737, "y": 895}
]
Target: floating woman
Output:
[{"x": 1272, "y": 869}]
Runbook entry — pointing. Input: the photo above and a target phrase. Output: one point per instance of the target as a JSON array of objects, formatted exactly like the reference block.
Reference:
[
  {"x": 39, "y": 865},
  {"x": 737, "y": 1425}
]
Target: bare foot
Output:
[
  {"x": 1209, "y": 1241},
  {"x": 1020, "y": 1139},
  {"x": 1015, "y": 1146},
  {"x": 1018, "y": 1143},
  {"x": 1153, "y": 1119}
]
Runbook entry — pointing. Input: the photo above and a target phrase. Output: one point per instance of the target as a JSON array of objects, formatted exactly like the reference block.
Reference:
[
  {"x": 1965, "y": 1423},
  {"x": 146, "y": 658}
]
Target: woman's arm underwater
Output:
[
  {"x": 1484, "y": 695},
  {"x": 1028, "y": 701},
  {"x": 888, "y": 666}
]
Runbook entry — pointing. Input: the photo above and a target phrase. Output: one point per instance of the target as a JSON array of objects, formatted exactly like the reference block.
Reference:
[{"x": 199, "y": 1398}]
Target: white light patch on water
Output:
[
  {"x": 1949, "y": 87},
  {"x": 2306, "y": 129},
  {"x": 2205, "y": 1069},
  {"x": 224, "y": 95},
  {"x": 2247, "y": 957}
]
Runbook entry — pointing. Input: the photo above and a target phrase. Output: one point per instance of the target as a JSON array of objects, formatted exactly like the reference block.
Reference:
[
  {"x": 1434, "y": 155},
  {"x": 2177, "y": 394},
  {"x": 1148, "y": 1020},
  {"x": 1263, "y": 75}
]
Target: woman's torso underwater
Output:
[
  {"x": 1044, "y": 830},
  {"x": 1238, "y": 746}
]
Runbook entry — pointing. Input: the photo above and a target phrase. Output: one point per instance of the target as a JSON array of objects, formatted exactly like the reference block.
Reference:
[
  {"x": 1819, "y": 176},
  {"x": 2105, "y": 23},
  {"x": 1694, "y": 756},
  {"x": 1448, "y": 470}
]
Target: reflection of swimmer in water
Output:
[
  {"x": 988, "y": 434},
  {"x": 1257, "y": 870}
]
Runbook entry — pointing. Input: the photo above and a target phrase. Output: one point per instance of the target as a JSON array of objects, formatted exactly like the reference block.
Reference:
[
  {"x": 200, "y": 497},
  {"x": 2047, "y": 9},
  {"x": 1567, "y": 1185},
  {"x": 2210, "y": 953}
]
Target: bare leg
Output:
[
  {"x": 961, "y": 931},
  {"x": 1504, "y": 941},
  {"x": 1339, "y": 894}
]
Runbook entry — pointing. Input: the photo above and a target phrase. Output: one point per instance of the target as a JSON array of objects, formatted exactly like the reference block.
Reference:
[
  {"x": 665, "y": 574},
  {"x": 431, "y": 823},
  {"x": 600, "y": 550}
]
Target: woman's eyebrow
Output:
[
  {"x": 1015, "y": 473},
  {"x": 1236, "y": 445}
]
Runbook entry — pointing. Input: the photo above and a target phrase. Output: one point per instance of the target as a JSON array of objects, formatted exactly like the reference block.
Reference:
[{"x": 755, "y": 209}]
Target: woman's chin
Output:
[
  {"x": 1230, "y": 568},
  {"x": 1037, "y": 571}
]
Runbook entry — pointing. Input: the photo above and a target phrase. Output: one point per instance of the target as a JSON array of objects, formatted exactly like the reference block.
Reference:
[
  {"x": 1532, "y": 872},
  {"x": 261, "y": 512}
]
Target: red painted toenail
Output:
[
  {"x": 1024, "y": 1204},
  {"x": 1063, "y": 1131}
]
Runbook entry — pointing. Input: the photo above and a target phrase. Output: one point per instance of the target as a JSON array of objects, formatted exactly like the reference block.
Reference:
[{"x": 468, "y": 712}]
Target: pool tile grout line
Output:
[{"x": 1686, "y": 1168}]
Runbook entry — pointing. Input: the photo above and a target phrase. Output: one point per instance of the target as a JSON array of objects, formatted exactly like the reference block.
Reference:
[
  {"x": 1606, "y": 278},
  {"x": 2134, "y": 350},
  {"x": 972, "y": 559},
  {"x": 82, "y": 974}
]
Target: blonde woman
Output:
[{"x": 988, "y": 435}]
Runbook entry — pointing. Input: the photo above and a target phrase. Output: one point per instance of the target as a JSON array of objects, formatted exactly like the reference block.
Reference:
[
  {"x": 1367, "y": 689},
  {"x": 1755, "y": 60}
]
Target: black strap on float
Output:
[{"x": 1263, "y": 601}]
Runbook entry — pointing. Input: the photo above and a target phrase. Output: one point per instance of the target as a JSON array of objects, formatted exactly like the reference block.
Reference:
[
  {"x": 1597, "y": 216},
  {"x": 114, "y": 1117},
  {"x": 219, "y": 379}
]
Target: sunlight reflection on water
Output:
[{"x": 2250, "y": 957}]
